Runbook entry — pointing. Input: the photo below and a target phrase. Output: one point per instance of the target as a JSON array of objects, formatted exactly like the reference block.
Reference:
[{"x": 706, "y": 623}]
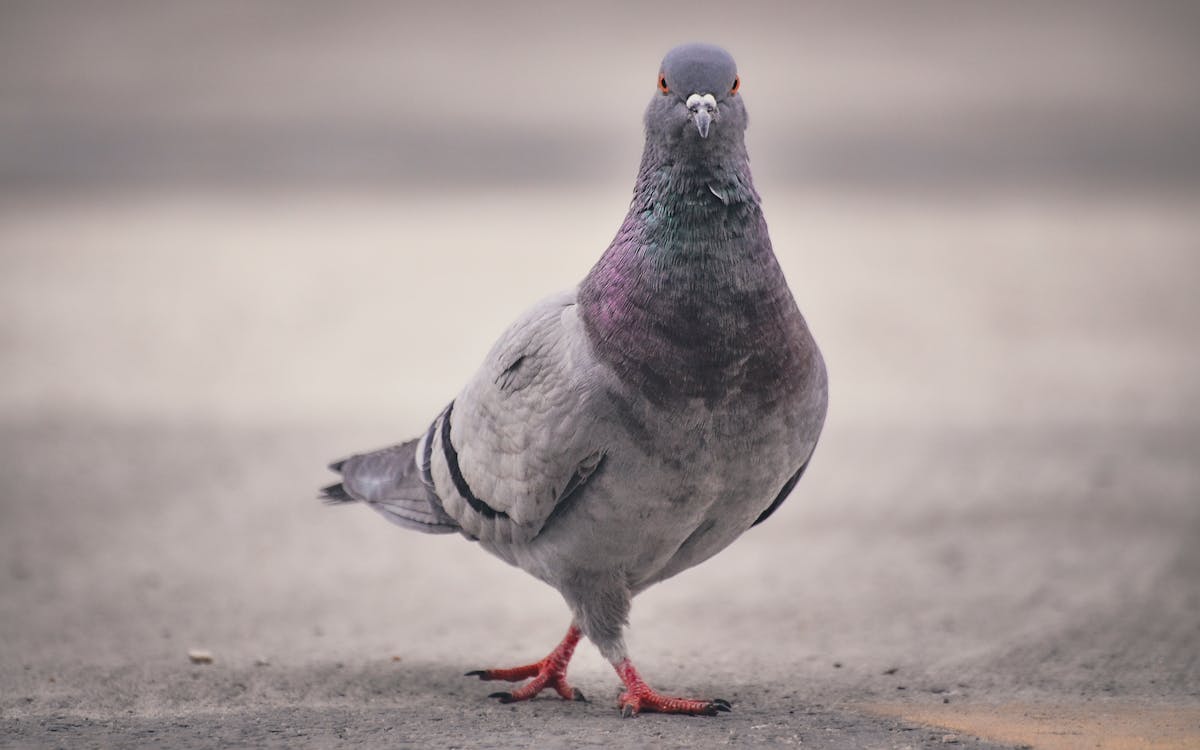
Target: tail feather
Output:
[
  {"x": 336, "y": 494},
  {"x": 389, "y": 481}
]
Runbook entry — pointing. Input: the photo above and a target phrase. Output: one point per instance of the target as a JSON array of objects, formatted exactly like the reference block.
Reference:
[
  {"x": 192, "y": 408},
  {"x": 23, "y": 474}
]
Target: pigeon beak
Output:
[{"x": 703, "y": 107}]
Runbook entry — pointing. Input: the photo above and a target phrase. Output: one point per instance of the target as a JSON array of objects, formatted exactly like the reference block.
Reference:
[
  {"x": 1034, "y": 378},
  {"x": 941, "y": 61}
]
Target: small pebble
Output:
[{"x": 200, "y": 656}]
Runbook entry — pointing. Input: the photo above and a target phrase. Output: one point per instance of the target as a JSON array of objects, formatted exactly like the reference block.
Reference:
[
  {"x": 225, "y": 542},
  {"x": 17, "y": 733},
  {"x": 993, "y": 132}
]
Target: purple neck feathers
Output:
[{"x": 689, "y": 301}]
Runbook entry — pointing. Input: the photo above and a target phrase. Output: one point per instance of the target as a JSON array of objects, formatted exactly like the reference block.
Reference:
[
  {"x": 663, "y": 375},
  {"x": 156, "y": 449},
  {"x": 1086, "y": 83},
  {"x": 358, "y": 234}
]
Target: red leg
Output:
[
  {"x": 638, "y": 697},
  {"x": 550, "y": 671}
]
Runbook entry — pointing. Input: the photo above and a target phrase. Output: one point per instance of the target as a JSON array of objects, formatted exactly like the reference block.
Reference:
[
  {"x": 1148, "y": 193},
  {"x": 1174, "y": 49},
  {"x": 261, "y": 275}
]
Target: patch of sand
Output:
[{"x": 1105, "y": 726}]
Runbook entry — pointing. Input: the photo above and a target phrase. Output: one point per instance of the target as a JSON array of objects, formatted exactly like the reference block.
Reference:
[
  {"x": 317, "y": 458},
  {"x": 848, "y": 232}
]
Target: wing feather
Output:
[{"x": 518, "y": 439}]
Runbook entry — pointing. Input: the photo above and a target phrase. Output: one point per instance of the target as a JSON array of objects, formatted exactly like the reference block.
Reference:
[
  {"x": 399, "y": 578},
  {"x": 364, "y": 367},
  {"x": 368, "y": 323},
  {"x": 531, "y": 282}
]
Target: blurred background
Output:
[
  {"x": 242, "y": 239},
  {"x": 210, "y": 208}
]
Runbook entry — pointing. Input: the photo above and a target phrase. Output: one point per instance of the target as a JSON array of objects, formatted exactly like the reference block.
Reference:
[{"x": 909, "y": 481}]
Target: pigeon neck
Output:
[
  {"x": 683, "y": 195},
  {"x": 689, "y": 300}
]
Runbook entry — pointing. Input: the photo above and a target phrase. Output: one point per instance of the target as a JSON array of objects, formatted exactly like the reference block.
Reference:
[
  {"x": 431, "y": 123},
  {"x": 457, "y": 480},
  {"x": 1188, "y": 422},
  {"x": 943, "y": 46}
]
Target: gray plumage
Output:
[{"x": 631, "y": 428}]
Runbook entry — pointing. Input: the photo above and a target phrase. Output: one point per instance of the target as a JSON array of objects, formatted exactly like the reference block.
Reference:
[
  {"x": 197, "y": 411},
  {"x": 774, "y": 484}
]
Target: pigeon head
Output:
[{"x": 697, "y": 105}]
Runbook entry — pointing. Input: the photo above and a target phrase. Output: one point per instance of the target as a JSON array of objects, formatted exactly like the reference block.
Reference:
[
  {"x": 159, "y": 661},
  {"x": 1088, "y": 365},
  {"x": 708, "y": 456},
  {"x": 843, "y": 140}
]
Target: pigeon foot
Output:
[
  {"x": 549, "y": 672},
  {"x": 639, "y": 697}
]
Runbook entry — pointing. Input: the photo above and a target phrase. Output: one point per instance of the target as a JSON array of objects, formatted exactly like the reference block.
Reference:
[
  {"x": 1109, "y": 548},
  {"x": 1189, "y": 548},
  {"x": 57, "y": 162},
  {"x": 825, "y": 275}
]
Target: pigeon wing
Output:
[{"x": 519, "y": 439}]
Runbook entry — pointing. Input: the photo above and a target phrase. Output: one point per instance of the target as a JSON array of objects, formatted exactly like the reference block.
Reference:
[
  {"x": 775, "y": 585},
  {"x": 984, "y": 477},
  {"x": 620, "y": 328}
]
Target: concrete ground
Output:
[{"x": 995, "y": 547}]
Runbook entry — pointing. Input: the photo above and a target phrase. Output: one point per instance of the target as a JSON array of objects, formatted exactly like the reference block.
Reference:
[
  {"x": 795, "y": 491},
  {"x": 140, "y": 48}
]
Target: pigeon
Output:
[{"x": 630, "y": 428}]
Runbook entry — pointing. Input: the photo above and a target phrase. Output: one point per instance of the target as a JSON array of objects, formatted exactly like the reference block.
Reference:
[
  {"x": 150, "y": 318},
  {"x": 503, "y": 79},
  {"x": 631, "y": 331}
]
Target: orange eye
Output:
[
  {"x": 737, "y": 84},
  {"x": 662, "y": 84}
]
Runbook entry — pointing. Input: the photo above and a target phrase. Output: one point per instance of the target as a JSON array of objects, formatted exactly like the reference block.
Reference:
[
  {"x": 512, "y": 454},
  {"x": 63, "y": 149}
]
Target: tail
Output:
[
  {"x": 336, "y": 494},
  {"x": 390, "y": 481}
]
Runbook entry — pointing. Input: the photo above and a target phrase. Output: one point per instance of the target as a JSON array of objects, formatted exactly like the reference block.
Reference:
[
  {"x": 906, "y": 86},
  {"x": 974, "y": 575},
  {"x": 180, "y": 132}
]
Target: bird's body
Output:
[{"x": 633, "y": 427}]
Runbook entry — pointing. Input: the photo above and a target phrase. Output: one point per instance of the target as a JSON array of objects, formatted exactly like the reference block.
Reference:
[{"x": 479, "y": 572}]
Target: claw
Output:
[
  {"x": 639, "y": 697},
  {"x": 548, "y": 672}
]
